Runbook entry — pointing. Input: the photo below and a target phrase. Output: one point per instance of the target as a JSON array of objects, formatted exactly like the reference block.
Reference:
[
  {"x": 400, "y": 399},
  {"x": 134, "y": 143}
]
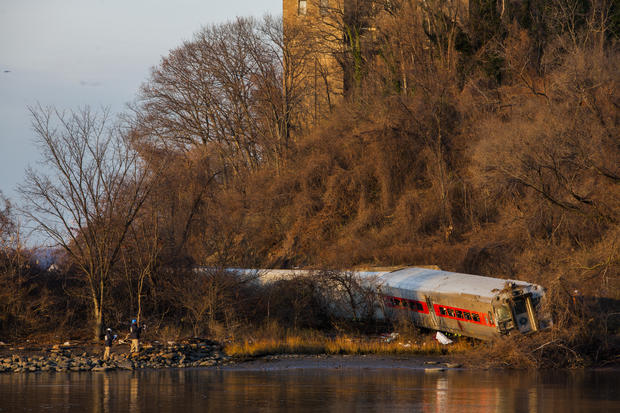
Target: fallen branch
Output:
[{"x": 544, "y": 345}]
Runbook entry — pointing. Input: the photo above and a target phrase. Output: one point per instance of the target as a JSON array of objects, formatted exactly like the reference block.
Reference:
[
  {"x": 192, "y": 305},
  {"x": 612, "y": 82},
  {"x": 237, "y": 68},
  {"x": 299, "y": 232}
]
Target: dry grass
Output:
[{"x": 313, "y": 342}]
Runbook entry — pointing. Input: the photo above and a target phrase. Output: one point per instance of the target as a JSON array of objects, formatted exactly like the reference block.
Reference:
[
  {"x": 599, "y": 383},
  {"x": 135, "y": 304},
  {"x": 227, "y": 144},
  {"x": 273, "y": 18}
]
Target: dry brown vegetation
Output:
[
  {"x": 484, "y": 142},
  {"x": 275, "y": 340}
]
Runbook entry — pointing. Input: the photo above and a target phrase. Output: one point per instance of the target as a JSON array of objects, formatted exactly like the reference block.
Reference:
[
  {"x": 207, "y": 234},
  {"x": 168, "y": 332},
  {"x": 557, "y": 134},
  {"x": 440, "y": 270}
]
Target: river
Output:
[{"x": 336, "y": 390}]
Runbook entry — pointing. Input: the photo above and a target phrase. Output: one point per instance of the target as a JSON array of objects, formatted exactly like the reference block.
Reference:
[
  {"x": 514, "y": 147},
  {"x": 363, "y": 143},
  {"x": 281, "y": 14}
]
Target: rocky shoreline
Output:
[{"x": 60, "y": 358}]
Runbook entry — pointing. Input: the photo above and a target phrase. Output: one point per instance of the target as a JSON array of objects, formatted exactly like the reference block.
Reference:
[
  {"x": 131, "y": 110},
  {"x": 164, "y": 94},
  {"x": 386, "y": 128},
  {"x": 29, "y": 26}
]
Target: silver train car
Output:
[{"x": 463, "y": 304}]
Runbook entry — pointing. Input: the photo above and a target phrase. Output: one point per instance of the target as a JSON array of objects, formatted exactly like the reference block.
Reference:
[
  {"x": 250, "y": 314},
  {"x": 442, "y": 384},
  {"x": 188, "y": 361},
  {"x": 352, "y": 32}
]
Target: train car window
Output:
[
  {"x": 475, "y": 317},
  {"x": 503, "y": 314},
  {"x": 419, "y": 307},
  {"x": 490, "y": 318},
  {"x": 467, "y": 315},
  {"x": 520, "y": 307},
  {"x": 442, "y": 311},
  {"x": 450, "y": 312},
  {"x": 459, "y": 314}
]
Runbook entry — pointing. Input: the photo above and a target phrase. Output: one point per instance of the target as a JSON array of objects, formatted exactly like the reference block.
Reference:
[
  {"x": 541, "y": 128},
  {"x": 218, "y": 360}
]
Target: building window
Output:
[
  {"x": 302, "y": 7},
  {"x": 324, "y": 7}
]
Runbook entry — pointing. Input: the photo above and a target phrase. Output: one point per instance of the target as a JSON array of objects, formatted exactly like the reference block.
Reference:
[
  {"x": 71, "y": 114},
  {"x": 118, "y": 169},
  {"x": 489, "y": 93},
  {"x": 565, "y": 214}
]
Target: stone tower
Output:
[{"x": 315, "y": 40}]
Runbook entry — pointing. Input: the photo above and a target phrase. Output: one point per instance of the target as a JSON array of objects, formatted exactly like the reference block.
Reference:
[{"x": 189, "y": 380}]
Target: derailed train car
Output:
[{"x": 464, "y": 304}]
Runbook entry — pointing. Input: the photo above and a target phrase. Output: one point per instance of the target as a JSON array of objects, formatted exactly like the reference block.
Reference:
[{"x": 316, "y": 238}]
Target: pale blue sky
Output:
[{"x": 71, "y": 53}]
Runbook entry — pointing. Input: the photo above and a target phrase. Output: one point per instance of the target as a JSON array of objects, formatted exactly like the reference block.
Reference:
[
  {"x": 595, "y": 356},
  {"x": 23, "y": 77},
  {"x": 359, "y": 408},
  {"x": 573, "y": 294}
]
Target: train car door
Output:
[
  {"x": 433, "y": 317},
  {"x": 521, "y": 314}
]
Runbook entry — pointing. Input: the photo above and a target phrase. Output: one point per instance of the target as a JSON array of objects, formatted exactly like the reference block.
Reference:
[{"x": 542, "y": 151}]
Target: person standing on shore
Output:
[
  {"x": 134, "y": 332},
  {"x": 107, "y": 342}
]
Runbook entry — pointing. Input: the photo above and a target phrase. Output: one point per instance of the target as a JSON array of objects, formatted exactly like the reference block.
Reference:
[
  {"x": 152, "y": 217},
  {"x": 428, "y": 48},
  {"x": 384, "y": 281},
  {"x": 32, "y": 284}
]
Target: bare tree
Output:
[
  {"x": 222, "y": 91},
  {"x": 347, "y": 295},
  {"x": 224, "y": 105},
  {"x": 213, "y": 299},
  {"x": 86, "y": 194},
  {"x": 140, "y": 258}
]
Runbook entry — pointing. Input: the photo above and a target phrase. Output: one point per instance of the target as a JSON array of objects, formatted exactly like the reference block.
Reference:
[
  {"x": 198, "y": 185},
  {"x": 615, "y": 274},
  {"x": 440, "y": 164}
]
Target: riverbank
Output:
[
  {"x": 88, "y": 357},
  {"x": 344, "y": 361},
  {"x": 76, "y": 357},
  {"x": 278, "y": 355}
]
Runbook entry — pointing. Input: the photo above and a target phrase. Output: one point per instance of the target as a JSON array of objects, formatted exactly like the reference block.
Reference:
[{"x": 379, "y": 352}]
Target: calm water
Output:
[{"x": 320, "y": 390}]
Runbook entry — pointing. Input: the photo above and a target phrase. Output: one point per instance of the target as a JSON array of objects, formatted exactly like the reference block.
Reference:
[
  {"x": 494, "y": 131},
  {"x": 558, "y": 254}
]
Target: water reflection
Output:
[{"x": 325, "y": 390}]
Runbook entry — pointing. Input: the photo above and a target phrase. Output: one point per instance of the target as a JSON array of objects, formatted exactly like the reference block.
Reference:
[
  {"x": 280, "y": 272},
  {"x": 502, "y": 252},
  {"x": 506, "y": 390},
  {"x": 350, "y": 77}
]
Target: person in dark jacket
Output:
[
  {"x": 108, "y": 339},
  {"x": 134, "y": 332}
]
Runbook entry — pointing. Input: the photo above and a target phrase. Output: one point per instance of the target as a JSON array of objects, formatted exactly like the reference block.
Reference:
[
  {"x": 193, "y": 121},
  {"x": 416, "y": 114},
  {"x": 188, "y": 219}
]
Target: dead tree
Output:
[{"x": 87, "y": 195}]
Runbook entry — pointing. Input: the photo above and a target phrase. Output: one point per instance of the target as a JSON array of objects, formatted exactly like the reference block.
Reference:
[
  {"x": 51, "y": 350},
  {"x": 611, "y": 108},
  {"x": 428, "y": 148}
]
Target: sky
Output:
[{"x": 72, "y": 53}]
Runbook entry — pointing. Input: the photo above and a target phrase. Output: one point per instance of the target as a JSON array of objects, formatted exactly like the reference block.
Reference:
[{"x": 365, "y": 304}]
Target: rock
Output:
[
  {"x": 433, "y": 369},
  {"x": 206, "y": 363},
  {"x": 101, "y": 368},
  {"x": 126, "y": 365},
  {"x": 453, "y": 365}
]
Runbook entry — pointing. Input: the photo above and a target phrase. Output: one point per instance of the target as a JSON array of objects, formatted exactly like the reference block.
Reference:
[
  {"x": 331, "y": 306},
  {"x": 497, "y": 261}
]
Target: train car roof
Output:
[
  {"x": 423, "y": 280},
  {"x": 435, "y": 281}
]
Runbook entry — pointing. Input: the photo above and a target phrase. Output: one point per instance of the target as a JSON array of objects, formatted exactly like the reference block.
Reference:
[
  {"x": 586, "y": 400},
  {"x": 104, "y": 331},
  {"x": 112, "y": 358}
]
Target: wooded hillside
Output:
[{"x": 486, "y": 144}]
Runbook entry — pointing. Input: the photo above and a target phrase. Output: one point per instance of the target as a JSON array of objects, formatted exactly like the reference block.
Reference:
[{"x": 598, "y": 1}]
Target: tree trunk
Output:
[{"x": 98, "y": 323}]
